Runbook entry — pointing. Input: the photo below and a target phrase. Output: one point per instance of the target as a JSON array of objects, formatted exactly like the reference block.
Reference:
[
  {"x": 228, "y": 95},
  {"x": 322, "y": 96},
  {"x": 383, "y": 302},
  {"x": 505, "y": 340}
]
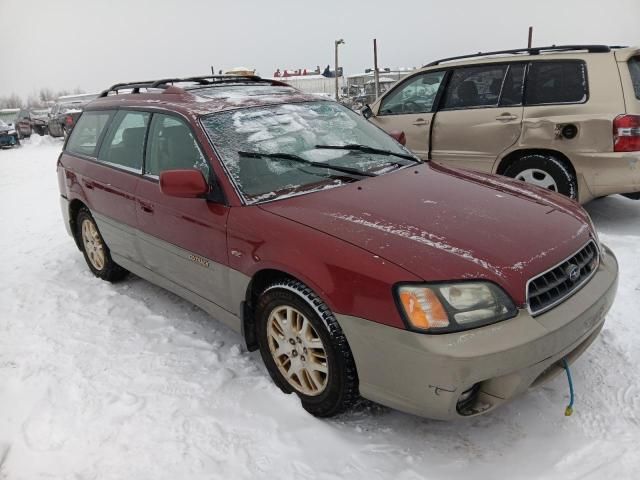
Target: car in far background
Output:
[
  {"x": 564, "y": 118},
  {"x": 8, "y": 135},
  {"x": 65, "y": 112},
  {"x": 40, "y": 120},
  {"x": 9, "y": 116}
]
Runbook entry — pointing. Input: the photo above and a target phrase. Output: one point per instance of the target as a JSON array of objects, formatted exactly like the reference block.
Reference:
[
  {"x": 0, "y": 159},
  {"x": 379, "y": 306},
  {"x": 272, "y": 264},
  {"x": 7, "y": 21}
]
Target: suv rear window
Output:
[
  {"x": 634, "y": 70},
  {"x": 85, "y": 135},
  {"x": 556, "y": 82}
]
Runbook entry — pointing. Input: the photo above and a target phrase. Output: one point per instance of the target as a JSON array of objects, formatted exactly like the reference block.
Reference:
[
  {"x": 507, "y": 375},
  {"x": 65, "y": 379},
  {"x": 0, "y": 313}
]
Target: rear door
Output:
[
  {"x": 409, "y": 108},
  {"x": 111, "y": 182},
  {"x": 182, "y": 239},
  {"x": 480, "y": 117}
]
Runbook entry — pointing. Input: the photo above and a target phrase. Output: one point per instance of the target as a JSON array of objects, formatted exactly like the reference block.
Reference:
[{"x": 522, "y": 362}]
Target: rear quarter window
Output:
[
  {"x": 85, "y": 135},
  {"x": 556, "y": 82},
  {"x": 634, "y": 70}
]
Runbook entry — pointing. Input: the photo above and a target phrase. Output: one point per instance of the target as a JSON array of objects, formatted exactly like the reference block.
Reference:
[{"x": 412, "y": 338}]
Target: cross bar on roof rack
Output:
[{"x": 529, "y": 51}]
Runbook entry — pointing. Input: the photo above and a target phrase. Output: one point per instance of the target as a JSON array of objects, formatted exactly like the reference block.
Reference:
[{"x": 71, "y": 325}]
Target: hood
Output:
[{"x": 446, "y": 224}]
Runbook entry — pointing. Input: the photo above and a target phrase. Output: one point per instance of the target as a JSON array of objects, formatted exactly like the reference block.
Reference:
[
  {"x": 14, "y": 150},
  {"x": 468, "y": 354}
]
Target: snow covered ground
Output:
[{"x": 126, "y": 381}]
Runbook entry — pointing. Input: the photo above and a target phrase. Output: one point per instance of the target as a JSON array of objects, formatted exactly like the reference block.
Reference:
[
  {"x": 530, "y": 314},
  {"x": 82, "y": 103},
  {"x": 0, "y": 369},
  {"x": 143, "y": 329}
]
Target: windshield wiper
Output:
[
  {"x": 296, "y": 158},
  {"x": 367, "y": 149}
]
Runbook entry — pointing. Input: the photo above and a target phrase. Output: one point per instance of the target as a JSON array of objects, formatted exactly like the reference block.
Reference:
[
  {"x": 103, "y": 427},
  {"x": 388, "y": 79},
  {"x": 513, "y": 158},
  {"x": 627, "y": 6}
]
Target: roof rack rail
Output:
[
  {"x": 530, "y": 51},
  {"x": 203, "y": 80}
]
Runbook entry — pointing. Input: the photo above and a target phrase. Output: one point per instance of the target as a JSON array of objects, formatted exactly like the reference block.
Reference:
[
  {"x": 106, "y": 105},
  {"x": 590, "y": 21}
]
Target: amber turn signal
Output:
[{"x": 423, "y": 309}]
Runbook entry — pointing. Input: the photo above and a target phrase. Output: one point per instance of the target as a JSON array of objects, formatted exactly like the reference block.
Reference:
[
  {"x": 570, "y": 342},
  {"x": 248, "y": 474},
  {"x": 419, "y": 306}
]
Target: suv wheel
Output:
[
  {"x": 304, "y": 349},
  {"x": 545, "y": 171},
  {"x": 96, "y": 253}
]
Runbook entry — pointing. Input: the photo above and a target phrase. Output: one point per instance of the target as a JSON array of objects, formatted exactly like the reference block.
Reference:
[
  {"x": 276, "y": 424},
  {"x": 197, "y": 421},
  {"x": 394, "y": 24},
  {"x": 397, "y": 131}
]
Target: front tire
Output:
[
  {"x": 96, "y": 253},
  {"x": 545, "y": 171},
  {"x": 304, "y": 348}
]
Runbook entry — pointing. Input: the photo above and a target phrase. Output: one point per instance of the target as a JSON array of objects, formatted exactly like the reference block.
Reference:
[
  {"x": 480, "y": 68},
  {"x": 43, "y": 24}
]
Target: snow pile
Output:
[{"x": 126, "y": 381}]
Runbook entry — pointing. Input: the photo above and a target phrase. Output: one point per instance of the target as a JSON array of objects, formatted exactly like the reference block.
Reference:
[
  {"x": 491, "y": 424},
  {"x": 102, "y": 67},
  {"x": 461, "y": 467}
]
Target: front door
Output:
[
  {"x": 409, "y": 108},
  {"x": 481, "y": 116},
  {"x": 182, "y": 239}
]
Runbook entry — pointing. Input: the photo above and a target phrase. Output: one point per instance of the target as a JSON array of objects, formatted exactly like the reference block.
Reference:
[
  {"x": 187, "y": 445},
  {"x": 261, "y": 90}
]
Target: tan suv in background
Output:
[{"x": 565, "y": 118}]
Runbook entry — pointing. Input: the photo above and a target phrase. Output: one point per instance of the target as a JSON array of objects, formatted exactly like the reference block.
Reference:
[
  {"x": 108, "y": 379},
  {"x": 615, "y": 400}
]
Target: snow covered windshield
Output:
[{"x": 296, "y": 130}]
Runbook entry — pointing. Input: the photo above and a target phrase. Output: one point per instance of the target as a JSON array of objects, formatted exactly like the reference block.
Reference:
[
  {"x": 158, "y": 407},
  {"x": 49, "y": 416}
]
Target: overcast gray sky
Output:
[{"x": 92, "y": 44}]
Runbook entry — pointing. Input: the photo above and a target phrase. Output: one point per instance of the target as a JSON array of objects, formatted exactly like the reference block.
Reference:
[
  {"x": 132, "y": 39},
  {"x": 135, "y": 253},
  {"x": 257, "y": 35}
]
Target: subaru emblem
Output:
[{"x": 573, "y": 273}]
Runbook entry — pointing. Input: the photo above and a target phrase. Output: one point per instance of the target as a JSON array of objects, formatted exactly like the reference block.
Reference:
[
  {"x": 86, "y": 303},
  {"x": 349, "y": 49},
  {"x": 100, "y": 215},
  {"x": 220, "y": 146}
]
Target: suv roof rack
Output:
[
  {"x": 205, "y": 80},
  {"x": 531, "y": 51}
]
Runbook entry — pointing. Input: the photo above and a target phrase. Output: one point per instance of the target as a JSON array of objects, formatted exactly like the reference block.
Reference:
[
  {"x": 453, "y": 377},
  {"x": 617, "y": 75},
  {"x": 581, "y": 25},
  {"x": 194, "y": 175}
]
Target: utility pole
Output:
[
  {"x": 376, "y": 74},
  {"x": 530, "y": 37},
  {"x": 337, "y": 42}
]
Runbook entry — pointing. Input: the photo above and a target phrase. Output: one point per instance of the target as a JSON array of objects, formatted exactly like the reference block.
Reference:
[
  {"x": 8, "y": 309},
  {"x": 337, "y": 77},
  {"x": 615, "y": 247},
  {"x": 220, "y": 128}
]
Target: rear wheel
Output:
[
  {"x": 304, "y": 349},
  {"x": 96, "y": 253},
  {"x": 545, "y": 171}
]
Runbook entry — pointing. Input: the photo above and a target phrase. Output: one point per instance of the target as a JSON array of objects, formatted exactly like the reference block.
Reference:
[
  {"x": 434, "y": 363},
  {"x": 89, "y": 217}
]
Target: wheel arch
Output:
[
  {"x": 514, "y": 155},
  {"x": 259, "y": 281},
  {"x": 74, "y": 208}
]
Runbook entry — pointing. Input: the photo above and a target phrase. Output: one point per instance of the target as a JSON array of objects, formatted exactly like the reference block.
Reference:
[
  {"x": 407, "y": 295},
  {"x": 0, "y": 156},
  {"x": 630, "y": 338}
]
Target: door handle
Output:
[
  {"x": 420, "y": 122},
  {"x": 145, "y": 207},
  {"x": 506, "y": 117}
]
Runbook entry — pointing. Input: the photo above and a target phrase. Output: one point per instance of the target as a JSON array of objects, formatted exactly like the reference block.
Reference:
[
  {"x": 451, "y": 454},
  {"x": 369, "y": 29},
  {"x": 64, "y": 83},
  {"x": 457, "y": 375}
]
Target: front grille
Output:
[{"x": 553, "y": 286}]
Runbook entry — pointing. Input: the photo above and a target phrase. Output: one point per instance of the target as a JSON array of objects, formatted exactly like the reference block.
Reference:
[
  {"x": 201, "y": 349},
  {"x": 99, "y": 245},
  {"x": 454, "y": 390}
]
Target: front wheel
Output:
[
  {"x": 96, "y": 253},
  {"x": 304, "y": 348},
  {"x": 545, "y": 171}
]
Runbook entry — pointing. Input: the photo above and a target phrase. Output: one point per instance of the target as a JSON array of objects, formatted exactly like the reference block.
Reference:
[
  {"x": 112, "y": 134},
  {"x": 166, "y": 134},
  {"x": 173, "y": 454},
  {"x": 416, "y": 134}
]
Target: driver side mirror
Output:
[
  {"x": 183, "y": 183},
  {"x": 366, "y": 112},
  {"x": 399, "y": 136}
]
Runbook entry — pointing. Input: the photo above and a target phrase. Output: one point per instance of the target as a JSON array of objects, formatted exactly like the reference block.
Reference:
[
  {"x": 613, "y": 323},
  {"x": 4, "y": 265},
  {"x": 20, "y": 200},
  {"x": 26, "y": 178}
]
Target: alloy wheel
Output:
[
  {"x": 297, "y": 350},
  {"x": 93, "y": 244},
  {"x": 538, "y": 177}
]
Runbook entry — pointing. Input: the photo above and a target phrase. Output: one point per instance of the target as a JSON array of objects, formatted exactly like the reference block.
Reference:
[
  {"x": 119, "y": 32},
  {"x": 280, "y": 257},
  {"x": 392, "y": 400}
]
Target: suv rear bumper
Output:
[
  {"x": 426, "y": 374},
  {"x": 608, "y": 173}
]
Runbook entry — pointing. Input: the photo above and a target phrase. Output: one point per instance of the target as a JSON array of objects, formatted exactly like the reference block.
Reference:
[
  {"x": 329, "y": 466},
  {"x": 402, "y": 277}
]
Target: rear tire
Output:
[
  {"x": 95, "y": 250},
  {"x": 546, "y": 171},
  {"x": 304, "y": 348}
]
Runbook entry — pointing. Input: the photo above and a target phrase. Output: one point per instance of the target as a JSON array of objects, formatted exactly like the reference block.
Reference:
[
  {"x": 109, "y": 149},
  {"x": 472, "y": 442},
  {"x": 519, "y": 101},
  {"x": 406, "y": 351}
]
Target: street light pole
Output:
[{"x": 337, "y": 42}]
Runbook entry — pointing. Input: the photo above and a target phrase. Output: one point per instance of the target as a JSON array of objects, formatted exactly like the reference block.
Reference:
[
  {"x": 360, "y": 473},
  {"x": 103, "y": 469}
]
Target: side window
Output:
[
  {"x": 416, "y": 95},
  {"x": 634, "y": 70},
  {"x": 171, "y": 146},
  {"x": 556, "y": 82},
  {"x": 513, "y": 86},
  {"x": 84, "y": 137},
  {"x": 475, "y": 87},
  {"x": 124, "y": 143}
]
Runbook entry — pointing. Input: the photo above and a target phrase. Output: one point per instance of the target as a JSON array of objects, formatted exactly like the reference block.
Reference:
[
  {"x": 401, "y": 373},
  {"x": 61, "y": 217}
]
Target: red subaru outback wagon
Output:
[{"x": 356, "y": 268}]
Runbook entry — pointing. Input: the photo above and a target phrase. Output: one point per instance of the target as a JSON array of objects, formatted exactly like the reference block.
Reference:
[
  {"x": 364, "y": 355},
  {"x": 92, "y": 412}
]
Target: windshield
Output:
[
  {"x": 634, "y": 69},
  {"x": 9, "y": 117},
  {"x": 297, "y": 129}
]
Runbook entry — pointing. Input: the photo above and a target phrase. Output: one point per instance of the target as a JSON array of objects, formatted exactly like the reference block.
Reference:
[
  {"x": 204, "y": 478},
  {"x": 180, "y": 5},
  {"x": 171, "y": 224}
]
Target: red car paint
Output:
[{"x": 352, "y": 243}]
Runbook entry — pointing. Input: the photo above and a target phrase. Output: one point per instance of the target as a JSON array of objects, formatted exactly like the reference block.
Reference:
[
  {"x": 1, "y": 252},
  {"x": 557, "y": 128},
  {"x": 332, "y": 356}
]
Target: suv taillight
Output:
[
  {"x": 626, "y": 133},
  {"x": 68, "y": 120}
]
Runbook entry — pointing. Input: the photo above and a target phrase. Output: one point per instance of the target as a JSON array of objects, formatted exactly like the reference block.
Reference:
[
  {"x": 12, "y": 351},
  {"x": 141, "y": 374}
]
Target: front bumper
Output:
[{"x": 426, "y": 374}]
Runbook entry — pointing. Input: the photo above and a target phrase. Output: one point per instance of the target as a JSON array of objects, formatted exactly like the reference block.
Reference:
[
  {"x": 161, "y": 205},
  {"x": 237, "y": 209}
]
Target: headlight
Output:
[{"x": 452, "y": 307}]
